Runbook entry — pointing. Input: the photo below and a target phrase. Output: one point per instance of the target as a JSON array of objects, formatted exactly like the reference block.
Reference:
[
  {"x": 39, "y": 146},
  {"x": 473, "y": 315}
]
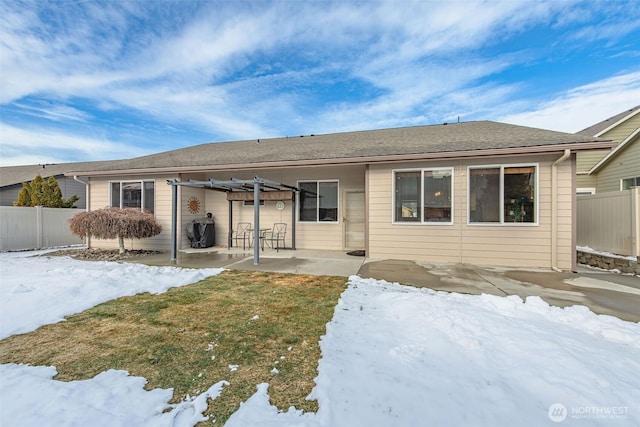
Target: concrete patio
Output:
[{"x": 603, "y": 292}]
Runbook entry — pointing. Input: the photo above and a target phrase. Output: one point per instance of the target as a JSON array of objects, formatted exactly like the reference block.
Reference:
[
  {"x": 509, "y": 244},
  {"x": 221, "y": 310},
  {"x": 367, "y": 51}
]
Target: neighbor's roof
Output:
[
  {"x": 598, "y": 128},
  {"x": 13, "y": 175},
  {"x": 470, "y": 138}
]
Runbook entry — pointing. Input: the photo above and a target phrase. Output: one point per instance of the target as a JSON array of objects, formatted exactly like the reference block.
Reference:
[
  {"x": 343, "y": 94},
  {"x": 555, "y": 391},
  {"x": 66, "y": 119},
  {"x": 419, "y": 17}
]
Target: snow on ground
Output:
[
  {"x": 609, "y": 254},
  {"x": 392, "y": 356},
  {"x": 39, "y": 290}
]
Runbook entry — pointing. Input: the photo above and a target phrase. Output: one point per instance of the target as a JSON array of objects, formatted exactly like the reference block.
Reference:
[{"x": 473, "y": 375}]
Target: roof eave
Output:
[{"x": 577, "y": 146}]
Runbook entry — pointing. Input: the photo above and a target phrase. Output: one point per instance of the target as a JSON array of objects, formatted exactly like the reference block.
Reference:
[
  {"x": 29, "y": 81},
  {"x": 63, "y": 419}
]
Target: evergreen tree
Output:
[
  {"x": 44, "y": 193},
  {"x": 24, "y": 197}
]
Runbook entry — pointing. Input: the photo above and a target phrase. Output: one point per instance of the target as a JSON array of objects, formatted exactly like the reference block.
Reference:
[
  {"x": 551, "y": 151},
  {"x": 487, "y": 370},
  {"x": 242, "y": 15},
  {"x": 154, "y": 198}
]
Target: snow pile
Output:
[
  {"x": 392, "y": 356},
  {"x": 39, "y": 290},
  {"x": 400, "y": 356},
  {"x": 110, "y": 399}
]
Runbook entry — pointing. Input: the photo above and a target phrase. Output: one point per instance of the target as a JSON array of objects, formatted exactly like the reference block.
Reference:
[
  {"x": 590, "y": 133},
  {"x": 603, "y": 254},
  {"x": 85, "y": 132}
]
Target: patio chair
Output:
[
  {"x": 242, "y": 232},
  {"x": 275, "y": 236}
]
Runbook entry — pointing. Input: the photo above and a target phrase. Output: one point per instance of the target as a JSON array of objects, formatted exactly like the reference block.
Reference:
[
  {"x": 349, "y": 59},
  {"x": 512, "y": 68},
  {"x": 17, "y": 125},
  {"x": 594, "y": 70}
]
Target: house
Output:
[
  {"x": 601, "y": 171},
  {"x": 12, "y": 177},
  {"x": 481, "y": 192}
]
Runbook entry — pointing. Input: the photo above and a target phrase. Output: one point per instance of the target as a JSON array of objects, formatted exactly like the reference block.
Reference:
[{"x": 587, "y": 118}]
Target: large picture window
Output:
[
  {"x": 133, "y": 194},
  {"x": 318, "y": 201},
  {"x": 423, "y": 196},
  {"x": 503, "y": 195}
]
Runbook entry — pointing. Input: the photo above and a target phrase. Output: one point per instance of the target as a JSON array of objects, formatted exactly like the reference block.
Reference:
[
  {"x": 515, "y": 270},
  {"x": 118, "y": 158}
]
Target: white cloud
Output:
[
  {"x": 33, "y": 146},
  {"x": 583, "y": 106},
  {"x": 244, "y": 70},
  {"x": 55, "y": 112}
]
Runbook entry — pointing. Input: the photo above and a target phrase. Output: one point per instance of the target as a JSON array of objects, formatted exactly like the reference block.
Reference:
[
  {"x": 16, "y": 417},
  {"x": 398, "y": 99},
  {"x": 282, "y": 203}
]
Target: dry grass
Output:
[{"x": 186, "y": 338}]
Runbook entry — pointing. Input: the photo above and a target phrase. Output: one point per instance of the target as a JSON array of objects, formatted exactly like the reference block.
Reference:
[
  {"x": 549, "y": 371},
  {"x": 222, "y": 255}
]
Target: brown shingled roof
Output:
[
  {"x": 451, "y": 138},
  {"x": 12, "y": 175}
]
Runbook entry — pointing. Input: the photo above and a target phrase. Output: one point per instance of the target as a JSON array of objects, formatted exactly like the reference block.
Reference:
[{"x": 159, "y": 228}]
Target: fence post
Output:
[
  {"x": 635, "y": 221},
  {"x": 39, "y": 227}
]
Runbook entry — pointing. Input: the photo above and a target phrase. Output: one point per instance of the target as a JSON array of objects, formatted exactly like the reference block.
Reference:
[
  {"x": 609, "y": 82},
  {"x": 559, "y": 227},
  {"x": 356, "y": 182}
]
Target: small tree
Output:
[
  {"x": 47, "y": 193},
  {"x": 111, "y": 223}
]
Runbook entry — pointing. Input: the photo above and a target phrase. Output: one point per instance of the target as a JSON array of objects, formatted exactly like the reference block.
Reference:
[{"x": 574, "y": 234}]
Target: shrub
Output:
[{"x": 111, "y": 223}]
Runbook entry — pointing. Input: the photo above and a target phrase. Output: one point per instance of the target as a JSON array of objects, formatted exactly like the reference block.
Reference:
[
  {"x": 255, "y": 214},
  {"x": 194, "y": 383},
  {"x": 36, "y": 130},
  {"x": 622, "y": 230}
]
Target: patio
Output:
[
  {"x": 603, "y": 292},
  {"x": 299, "y": 261}
]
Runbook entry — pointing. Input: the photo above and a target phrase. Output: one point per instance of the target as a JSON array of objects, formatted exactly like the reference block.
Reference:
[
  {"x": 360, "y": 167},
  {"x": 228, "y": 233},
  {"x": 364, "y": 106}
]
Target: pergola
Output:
[{"x": 256, "y": 189}]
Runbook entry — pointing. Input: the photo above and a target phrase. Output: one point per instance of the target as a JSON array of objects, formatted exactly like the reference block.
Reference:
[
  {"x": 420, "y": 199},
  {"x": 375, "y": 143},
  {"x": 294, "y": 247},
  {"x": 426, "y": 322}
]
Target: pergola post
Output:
[
  {"x": 293, "y": 221},
  {"x": 256, "y": 222},
  {"x": 174, "y": 222},
  {"x": 229, "y": 236}
]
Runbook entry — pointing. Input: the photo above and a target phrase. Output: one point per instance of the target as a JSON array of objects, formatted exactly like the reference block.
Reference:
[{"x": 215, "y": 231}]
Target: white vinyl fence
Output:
[
  {"x": 35, "y": 228},
  {"x": 610, "y": 222}
]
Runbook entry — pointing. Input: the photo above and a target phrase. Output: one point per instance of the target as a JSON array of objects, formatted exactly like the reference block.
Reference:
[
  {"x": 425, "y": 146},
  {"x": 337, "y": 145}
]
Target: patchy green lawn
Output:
[{"x": 186, "y": 338}]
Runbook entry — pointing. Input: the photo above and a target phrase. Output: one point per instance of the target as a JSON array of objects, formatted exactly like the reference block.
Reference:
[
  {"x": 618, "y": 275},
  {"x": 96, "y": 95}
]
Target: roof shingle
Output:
[{"x": 451, "y": 138}]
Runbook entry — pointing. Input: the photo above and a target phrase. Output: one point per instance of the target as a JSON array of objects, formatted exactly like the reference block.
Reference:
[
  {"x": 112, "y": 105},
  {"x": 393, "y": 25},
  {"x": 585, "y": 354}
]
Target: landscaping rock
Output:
[{"x": 94, "y": 254}]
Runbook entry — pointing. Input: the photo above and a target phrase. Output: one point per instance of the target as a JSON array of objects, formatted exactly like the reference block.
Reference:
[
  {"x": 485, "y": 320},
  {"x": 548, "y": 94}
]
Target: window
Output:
[
  {"x": 250, "y": 203},
  {"x": 318, "y": 201},
  {"x": 628, "y": 183},
  {"x": 502, "y": 194},
  {"x": 133, "y": 194},
  {"x": 423, "y": 196}
]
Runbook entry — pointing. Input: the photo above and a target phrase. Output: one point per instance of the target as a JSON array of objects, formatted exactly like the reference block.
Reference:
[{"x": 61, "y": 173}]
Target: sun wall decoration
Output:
[{"x": 193, "y": 205}]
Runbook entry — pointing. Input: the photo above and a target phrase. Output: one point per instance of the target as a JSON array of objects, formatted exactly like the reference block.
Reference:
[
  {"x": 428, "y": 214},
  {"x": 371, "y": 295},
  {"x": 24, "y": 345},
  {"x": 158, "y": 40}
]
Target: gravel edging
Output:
[{"x": 101, "y": 254}]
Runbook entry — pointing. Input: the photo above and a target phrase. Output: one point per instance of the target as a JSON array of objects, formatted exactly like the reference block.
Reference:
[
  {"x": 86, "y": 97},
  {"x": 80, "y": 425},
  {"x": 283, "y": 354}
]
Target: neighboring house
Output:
[
  {"x": 481, "y": 192},
  {"x": 601, "y": 171},
  {"x": 12, "y": 177}
]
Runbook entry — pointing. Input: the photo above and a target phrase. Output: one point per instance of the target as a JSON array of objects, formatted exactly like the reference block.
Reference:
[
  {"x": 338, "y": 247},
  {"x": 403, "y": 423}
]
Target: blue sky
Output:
[{"x": 85, "y": 80}]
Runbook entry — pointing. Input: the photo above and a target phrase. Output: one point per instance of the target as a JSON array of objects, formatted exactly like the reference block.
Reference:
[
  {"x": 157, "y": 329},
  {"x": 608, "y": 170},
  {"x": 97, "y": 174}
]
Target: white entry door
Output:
[{"x": 354, "y": 220}]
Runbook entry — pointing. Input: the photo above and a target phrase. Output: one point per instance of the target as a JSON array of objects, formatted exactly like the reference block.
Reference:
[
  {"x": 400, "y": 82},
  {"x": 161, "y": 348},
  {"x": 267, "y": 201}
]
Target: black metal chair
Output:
[
  {"x": 274, "y": 237},
  {"x": 242, "y": 232}
]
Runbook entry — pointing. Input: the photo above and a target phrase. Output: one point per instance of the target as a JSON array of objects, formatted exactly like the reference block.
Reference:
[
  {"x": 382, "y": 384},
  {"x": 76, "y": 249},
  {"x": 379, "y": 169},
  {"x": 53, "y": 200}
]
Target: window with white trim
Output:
[
  {"x": 423, "y": 195},
  {"x": 503, "y": 194},
  {"x": 627, "y": 183},
  {"x": 318, "y": 201},
  {"x": 133, "y": 194}
]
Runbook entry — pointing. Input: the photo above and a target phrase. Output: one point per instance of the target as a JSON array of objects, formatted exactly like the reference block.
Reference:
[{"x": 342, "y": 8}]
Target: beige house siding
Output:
[
  {"x": 99, "y": 198},
  {"x": 323, "y": 235},
  {"x": 625, "y": 164},
  {"x": 508, "y": 245},
  {"x": 186, "y": 216}
]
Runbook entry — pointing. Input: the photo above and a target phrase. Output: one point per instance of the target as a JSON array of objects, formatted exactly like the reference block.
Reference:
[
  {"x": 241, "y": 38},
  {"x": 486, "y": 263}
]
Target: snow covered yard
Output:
[{"x": 392, "y": 356}]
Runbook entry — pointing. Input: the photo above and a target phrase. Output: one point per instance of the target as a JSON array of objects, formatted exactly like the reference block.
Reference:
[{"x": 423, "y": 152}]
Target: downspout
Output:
[
  {"x": 554, "y": 209},
  {"x": 87, "y": 194},
  {"x": 86, "y": 191}
]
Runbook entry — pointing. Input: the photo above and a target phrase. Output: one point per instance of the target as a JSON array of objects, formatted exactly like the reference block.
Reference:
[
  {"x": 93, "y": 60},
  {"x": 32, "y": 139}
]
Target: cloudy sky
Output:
[{"x": 89, "y": 80}]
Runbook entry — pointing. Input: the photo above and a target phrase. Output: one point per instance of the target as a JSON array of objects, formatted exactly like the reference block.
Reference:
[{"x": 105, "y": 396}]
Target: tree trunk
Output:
[{"x": 121, "y": 244}]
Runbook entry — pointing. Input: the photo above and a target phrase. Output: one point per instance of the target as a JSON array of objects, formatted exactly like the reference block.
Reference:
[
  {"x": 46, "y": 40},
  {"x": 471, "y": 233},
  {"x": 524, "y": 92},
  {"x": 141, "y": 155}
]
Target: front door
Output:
[{"x": 354, "y": 220}]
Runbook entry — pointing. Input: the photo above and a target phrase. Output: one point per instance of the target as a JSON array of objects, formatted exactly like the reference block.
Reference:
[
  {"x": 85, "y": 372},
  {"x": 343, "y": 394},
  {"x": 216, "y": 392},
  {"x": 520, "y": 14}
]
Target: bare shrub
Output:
[{"x": 111, "y": 223}]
